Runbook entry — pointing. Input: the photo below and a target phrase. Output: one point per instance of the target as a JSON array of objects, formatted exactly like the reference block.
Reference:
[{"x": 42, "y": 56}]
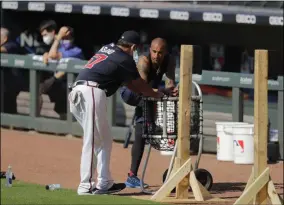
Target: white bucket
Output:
[
  {"x": 273, "y": 135},
  {"x": 243, "y": 144},
  {"x": 225, "y": 141}
]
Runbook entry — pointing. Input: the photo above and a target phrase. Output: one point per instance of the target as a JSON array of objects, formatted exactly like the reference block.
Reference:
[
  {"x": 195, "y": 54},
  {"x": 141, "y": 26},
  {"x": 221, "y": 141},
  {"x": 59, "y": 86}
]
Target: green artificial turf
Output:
[{"x": 25, "y": 193}]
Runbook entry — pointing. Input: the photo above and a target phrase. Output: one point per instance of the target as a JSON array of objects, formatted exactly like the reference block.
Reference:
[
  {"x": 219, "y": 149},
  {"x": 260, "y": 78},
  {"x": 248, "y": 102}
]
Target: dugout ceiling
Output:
[
  {"x": 97, "y": 23},
  {"x": 242, "y": 12}
]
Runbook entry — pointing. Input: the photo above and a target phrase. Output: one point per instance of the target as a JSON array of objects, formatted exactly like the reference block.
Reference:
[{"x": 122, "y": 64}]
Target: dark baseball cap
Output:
[
  {"x": 47, "y": 24},
  {"x": 131, "y": 37}
]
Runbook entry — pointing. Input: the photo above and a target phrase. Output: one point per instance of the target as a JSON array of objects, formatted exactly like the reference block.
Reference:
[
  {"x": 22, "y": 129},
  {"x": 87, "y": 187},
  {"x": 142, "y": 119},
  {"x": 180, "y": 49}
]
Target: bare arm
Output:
[
  {"x": 170, "y": 74},
  {"x": 143, "y": 68},
  {"x": 53, "y": 52}
]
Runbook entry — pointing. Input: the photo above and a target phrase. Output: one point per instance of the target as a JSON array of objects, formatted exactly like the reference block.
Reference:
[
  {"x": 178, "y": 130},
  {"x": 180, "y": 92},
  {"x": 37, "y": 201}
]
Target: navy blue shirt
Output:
[
  {"x": 11, "y": 47},
  {"x": 111, "y": 67}
]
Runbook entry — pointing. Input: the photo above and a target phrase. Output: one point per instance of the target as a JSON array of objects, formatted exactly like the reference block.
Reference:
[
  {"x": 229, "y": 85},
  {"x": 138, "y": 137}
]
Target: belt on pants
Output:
[{"x": 87, "y": 83}]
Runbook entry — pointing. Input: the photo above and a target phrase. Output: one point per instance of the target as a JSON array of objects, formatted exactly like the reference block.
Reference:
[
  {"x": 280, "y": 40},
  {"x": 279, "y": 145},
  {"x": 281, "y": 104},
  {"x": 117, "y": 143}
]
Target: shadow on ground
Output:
[{"x": 218, "y": 188}]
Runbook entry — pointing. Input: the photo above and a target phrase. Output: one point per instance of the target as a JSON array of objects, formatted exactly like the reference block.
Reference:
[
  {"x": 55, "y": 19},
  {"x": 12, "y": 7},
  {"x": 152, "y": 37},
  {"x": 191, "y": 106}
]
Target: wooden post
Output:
[
  {"x": 183, "y": 175},
  {"x": 184, "y": 109},
  {"x": 260, "y": 118},
  {"x": 260, "y": 186}
]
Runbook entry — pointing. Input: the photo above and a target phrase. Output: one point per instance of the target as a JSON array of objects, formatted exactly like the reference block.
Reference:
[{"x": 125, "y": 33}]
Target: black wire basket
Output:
[{"x": 160, "y": 122}]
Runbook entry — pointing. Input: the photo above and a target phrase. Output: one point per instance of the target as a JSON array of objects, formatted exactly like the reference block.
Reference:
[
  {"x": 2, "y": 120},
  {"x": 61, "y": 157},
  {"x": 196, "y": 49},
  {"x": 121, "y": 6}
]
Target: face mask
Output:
[
  {"x": 135, "y": 56},
  {"x": 47, "y": 39},
  {"x": 66, "y": 43}
]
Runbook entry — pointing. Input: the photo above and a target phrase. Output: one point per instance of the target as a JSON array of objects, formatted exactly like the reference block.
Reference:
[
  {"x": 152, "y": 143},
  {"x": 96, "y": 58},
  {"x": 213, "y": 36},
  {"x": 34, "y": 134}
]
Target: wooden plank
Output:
[
  {"x": 272, "y": 193},
  {"x": 176, "y": 165},
  {"x": 173, "y": 181},
  {"x": 260, "y": 118},
  {"x": 250, "y": 181},
  {"x": 199, "y": 192},
  {"x": 185, "y": 89},
  {"x": 254, "y": 188}
]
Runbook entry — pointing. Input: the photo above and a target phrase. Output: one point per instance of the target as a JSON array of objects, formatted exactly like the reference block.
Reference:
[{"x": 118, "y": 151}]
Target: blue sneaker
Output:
[{"x": 134, "y": 182}]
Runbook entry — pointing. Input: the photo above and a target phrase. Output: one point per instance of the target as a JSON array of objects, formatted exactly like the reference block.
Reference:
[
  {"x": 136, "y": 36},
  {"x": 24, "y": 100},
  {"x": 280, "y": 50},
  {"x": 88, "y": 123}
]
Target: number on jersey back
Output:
[{"x": 97, "y": 58}]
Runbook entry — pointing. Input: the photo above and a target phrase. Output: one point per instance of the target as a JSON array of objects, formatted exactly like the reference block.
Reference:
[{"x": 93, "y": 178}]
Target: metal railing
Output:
[{"x": 236, "y": 81}]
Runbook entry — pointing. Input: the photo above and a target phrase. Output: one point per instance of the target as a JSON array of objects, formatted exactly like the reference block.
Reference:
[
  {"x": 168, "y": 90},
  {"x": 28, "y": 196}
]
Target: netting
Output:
[{"x": 160, "y": 124}]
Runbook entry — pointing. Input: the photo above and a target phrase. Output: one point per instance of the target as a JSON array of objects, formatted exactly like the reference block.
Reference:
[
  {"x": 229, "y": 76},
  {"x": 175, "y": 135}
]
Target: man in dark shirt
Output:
[
  {"x": 111, "y": 67},
  {"x": 151, "y": 66},
  {"x": 12, "y": 79}
]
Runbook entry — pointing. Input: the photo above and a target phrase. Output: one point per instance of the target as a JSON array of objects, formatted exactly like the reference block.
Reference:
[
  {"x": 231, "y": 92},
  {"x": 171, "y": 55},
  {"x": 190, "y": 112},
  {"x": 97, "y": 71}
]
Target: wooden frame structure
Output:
[
  {"x": 260, "y": 188},
  {"x": 182, "y": 174}
]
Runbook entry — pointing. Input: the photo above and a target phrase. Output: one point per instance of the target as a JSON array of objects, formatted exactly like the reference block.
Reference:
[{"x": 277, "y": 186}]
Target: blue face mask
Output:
[{"x": 66, "y": 43}]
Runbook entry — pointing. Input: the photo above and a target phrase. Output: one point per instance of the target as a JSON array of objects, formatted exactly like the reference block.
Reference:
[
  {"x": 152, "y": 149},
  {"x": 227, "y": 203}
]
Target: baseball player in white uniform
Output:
[{"x": 111, "y": 67}]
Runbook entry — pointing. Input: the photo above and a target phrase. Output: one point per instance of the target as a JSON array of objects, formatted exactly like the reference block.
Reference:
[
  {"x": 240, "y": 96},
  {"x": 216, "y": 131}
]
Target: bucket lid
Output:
[
  {"x": 219, "y": 123},
  {"x": 229, "y": 127},
  {"x": 243, "y": 125},
  {"x": 235, "y": 124}
]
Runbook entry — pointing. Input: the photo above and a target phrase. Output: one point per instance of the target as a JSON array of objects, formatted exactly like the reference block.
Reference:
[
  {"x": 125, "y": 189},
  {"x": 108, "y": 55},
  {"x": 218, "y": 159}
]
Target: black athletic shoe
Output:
[
  {"x": 115, "y": 188},
  {"x": 88, "y": 192}
]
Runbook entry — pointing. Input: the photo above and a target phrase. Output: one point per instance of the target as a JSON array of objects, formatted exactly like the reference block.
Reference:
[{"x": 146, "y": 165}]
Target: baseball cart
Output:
[{"x": 160, "y": 130}]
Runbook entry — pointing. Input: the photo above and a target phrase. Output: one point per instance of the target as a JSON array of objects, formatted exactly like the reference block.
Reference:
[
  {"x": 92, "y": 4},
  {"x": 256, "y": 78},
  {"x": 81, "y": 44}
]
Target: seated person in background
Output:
[
  {"x": 47, "y": 31},
  {"x": 61, "y": 47},
  {"x": 151, "y": 67},
  {"x": 7, "y": 45},
  {"x": 48, "y": 85},
  {"x": 12, "y": 78}
]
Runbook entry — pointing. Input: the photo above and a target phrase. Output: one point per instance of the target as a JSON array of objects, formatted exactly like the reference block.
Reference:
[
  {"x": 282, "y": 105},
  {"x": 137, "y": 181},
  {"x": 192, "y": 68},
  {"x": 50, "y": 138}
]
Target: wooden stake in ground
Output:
[
  {"x": 260, "y": 187},
  {"x": 183, "y": 175},
  {"x": 184, "y": 109}
]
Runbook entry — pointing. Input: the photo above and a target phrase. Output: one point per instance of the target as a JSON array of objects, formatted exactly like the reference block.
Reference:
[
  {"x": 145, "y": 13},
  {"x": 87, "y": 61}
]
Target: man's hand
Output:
[
  {"x": 59, "y": 74},
  {"x": 175, "y": 91},
  {"x": 63, "y": 32},
  {"x": 45, "y": 57},
  {"x": 171, "y": 91}
]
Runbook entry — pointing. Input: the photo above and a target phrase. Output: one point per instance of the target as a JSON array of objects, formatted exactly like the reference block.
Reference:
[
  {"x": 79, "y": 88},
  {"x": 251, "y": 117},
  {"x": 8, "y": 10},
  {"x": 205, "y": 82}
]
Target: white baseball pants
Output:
[{"x": 89, "y": 107}]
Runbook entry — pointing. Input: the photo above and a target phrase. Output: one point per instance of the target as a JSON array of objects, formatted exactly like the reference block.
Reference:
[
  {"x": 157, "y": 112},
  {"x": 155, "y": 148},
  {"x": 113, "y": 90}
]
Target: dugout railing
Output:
[{"x": 33, "y": 121}]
